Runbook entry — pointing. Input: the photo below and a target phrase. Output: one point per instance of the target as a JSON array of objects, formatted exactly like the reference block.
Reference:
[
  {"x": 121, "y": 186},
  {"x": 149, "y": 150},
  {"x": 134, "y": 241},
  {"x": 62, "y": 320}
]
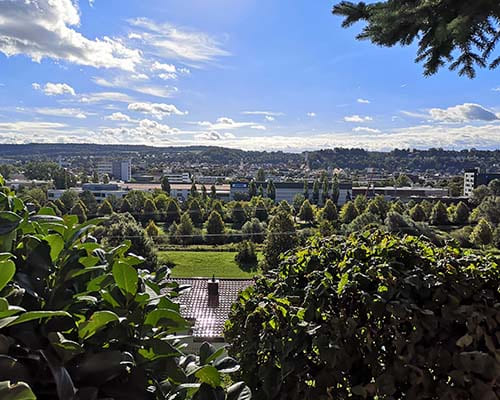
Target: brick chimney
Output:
[{"x": 213, "y": 292}]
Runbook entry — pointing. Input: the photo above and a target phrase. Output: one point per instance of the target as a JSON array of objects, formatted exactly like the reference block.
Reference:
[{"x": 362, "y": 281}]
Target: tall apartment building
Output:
[
  {"x": 474, "y": 177},
  {"x": 118, "y": 169}
]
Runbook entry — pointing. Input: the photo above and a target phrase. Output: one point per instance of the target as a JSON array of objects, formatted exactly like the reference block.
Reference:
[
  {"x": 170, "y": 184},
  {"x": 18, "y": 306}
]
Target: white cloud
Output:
[
  {"x": 118, "y": 116},
  {"x": 169, "y": 41},
  {"x": 311, "y": 114},
  {"x": 225, "y": 123},
  {"x": 365, "y": 129},
  {"x": 157, "y": 110},
  {"x": 44, "y": 29},
  {"x": 99, "y": 97},
  {"x": 265, "y": 113},
  {"x": 55, "y": 89},
  {"x": 269, "y": 118},
  {"x": 62, "y": 112},
  {"x": 120, "y": 82},
  {"x": 157, "y": 66},
  {"x": 463, "y": 113},
  {"x": 357, "y": 118},
  {"x": 214, "y": 136},
  {"x": 363, "y": 101}
]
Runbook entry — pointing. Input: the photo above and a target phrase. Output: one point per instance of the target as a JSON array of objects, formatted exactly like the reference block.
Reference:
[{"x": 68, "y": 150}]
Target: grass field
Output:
[{"x": 193, "y": 264}]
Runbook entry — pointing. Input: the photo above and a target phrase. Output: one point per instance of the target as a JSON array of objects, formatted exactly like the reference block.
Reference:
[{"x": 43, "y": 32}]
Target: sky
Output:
[{"x": 249, "y": 74}]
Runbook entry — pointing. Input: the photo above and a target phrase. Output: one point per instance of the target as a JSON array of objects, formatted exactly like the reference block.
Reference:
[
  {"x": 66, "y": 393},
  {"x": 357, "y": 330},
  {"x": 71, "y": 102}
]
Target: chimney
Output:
[{"x": 213, "y": 292}]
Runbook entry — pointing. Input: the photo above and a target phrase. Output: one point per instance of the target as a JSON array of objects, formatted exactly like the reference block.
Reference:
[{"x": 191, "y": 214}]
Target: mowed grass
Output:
[{"x": 200, "y": 264}]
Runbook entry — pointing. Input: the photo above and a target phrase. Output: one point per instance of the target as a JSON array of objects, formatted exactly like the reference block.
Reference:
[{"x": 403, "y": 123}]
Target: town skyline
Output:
[{"x": 252, "y": 75}]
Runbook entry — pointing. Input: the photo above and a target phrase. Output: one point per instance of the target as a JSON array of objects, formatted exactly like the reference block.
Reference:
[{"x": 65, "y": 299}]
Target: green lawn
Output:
[{"x": 194, "y": 264}]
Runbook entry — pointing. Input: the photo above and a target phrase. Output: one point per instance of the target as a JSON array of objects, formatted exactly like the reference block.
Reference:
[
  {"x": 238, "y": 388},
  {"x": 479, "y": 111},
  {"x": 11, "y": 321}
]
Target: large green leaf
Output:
[
  {"x": 166, "y": 316},
  {"x": 126, "y": 278},
  {"x": 227, "y": 365},
  {"x": 7, "y": 271},
  {"x": 34, "y": 315},
  {"x": 209, "y": 375},
  {"x": 239, "y": 391},
  {"x": 97, "y": 321},
  {"x": 9, "y": 221},
  {"x": 18, "y": 391},
  {"x": 56, "y": 244},
  {"x": 65, "y": 349}
]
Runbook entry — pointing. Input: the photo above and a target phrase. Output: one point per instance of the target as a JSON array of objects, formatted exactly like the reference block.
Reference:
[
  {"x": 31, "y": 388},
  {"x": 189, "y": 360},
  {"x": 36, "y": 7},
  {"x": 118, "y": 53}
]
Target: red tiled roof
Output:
[{"x": 209, "y": 319}]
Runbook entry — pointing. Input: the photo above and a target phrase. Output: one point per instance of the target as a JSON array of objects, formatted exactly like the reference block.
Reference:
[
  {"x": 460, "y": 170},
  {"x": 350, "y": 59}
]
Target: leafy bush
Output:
[
  {"x": 80, "y": 322},
  {"x": 247, "y": 254},
  {"x": 371, "y": 316}
]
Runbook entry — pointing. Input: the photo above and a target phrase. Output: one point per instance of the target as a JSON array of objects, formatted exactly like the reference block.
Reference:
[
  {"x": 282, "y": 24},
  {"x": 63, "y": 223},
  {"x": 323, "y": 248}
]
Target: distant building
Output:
[
  {"x": 474, "y": 177},
  {"x": 180, "y": 191},
  {"x": 119, "y": 169},
  {"x": 404, "y": 194},
  {"x": 183, "y": 177},
  {"x": 288, "y": 190},
  {"x": 101, "y": 191}
]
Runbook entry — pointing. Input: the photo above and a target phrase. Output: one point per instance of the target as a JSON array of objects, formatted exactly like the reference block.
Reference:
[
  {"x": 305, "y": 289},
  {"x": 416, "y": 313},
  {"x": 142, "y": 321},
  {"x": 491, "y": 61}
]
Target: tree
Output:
[
  {"x": 461, "y": 33},
  {"x": 152, "y": 229},
  {"x": 126, "y": 207},
  {"x": 360, "y": 202},
  {"x": 329, "y": 212},
  {"x": 105, "y": 179},
  {"x": 306, "y": 189},
  {"x": 36, "y": 194},
  {"x": 204, "y": 192},
  {"x": 335, "y": 189},
  {"x": 254, "y": 230},
  {"x": 95, "y": 177},
  {"x": 161, "y": 203},
  {"x": 195, "y": 212},
  {"x": 315, "y": 195},
  {"x": 238, "y": 214},
  {"x": 173, "y": 212},
  {"x": 271, "y": 190},
  {"x": 417, "y": 213},
  {"x": 306, "y": 212},
  {"x": 284, "y": 206},
  {"x": 489, "y": 209},
  {"x": 261, "y": 175},
  {"x": 348, "y": 212},
  {"x": 79, "y": 210},
  {"x": 194, "y": 190},
  {"x": 246, "y": 255},
  {"x": 403, "y": 180},
  {"x": 298, "y": 200},
  {"x": 325, "y": 190},
  {"x": 165, "y": 185},
  {"x": 150, "y": 211},
  {"x": 260, "y": 211},
  {"x": 63, "y": 179},
  {"x": 88, "y": 198},
  {"x": 461, "y": 215},
  {"x": 479, "y": 194},
  {"x": 69, "y": 198},
  {"x": 439, "y": 214},
  {"x": 213, "y": 192},
  {"x": 5, "y": 170},
  {"x": 185, "y": 230},
  {"x": 280, "y": 238},
  {"x": 494, "y": 187},
  {"x": 260, "y": 192},
  {"x": 398, "y": 207},
  {"x": 105, "y": 208},
  {"x": 252, "y": 189},
  {"x": 215, "y": 228},
  {"x": 482, "y": 234}
]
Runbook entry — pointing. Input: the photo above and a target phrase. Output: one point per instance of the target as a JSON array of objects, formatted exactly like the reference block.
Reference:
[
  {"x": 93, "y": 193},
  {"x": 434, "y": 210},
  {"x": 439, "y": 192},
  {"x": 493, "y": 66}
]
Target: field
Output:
[{"x": 193, "y": 264}]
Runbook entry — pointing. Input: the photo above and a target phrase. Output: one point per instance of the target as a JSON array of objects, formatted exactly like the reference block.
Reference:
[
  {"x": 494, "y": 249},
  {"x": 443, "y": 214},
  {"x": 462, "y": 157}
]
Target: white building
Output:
[
  {"x": 183, "y": 177},
  {"x": 100, "y": 191},
  {"x": 119, "y": 170}
]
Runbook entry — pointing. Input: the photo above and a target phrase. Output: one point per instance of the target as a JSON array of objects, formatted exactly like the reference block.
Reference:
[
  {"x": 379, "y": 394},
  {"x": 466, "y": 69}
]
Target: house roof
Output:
[{"x": 209, "y": 319}]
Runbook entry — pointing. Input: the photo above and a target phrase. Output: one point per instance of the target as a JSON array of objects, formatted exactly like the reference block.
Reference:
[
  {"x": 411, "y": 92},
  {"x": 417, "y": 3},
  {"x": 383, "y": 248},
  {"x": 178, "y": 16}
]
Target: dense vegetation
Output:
[
  {"x": 79, "y": 321},
  {"x": 447, "y": 161},
  {"x": 371, "y": 316}
]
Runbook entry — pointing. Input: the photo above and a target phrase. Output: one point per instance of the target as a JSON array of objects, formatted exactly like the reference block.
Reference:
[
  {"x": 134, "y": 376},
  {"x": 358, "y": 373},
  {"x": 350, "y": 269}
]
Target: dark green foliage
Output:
[
  {"x": 126, "y": 206},
  {"x": 193, "y": 190},
  {"x": 348, "y": 212},
  {"x": 306, "y": 212},
  {"x": 185, "y": 230},
  {"x": 329, "y": 212},
  {"x": 260, "y": 211},
  {"x": 247, "y": 255},
  {"x": 79, "y": 210},
  {"x": 363, "y": 222},
  {"x": 40, "y": 170},
  {"x": 238, "y": 214},
  {"x": 335, "y": 190},
  {"x": 5, "y": 170},
  {"x": 120, "y": 227},
  {"x": 489, "y": 209},
  {"x": 88, "y": 198},
  {"x": 461, "y": 215},
  {"x": 213, "y": 192},
  {"x": 479, "y": 194},
  {"x": 161, "y": 203},
  {"x": 325, "y": 190},
  {"x": 417, "y": 213},
  {"x": 371, "y": 316},
  {"x": 173, "y": 212},
  {"x": 280, "y": 238},
  {"x": 306, "y": 190},
  {"x": 150, "y": 212},
  {"x": 253, "y": 230},
  {"x": 439, "y": 214},
  {"x": 83, "y": 322},
  {"x": 271, "y": 190},
  {"x": 63, "y": 179},
  {"x": 105, "y": 208},
  {"x": 460, "y": 33},
  {"x": 298, "y": 200},
  {"x": 482, "y": 234},
  {"x": 252, "y": 189},
  {"x": 69, "y": 198},
  {"x": 494, "y": 187},
  {"x": 315, "y": 194},
  {"x": 403, "y": 180},
  {"x": 261, "y": 175},
  {"x": 360, "y": 202},
  {"x": 215, "y": 228},
  {"x": 152, "y": 229},
  {"x": 165, "y": 185}
]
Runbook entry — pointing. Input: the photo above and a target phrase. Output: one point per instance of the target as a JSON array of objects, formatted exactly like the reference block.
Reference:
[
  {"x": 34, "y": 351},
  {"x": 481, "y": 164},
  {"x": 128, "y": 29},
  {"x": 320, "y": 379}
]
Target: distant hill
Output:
[{"x": 416, "y": 160}]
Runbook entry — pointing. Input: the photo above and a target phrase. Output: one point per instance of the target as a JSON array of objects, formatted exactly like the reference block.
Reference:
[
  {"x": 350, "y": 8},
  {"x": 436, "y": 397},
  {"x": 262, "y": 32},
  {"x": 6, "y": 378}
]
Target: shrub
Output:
[
  {"x": 439, "y": 214},
  {"x": 371, "y": 316},
  {"x": 246, "y": 254},
  {"x": 215, "y": 229},
  {"x": 254, "y": 230},
  {"x": 482, "y": 234},
  {"x": 79, "y": 321}
]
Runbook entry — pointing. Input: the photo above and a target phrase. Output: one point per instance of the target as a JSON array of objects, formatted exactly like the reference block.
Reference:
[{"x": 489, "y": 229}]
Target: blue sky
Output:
[{"x": 251, "y": 74}]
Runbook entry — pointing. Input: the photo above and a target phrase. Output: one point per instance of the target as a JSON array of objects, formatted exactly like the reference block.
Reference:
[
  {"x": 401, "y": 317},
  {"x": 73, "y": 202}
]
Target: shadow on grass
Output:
[{"x": 249, "y": 266}]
